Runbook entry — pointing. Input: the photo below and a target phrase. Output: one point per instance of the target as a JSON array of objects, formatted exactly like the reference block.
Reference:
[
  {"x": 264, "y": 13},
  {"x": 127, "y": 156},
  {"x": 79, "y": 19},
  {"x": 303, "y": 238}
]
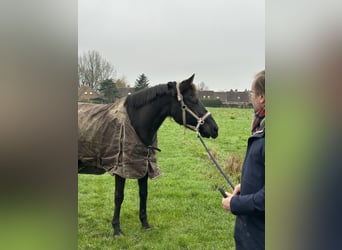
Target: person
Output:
[{"x": 247, "y": 201}]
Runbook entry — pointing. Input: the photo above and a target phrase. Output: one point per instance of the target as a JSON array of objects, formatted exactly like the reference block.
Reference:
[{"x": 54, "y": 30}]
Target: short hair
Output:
[{"x": 259, "y": 83}]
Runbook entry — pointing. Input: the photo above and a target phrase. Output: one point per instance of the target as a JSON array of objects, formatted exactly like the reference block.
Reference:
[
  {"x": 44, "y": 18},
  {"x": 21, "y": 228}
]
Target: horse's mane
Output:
[{"x": 147, "y": 95}]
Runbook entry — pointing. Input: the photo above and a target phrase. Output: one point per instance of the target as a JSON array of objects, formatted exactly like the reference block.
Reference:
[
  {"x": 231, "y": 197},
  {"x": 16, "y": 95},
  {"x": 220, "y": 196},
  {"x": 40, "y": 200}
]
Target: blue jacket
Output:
[{"x": 249, "y": 206}]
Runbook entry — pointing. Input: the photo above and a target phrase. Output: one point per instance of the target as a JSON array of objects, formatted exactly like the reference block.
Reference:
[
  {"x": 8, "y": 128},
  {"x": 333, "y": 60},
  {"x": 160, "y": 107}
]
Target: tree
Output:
[
  {"x": 109, "y": 90},
  {"x": 141, "y": 83},
  {"x": 202, "y": 86},
  {"x": 93, "y": 69},
  {"x": 121, "y": 82}
]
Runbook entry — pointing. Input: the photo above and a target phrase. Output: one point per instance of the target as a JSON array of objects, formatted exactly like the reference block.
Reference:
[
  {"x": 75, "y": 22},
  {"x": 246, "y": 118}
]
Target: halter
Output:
[{"x": 200, "y": 120}]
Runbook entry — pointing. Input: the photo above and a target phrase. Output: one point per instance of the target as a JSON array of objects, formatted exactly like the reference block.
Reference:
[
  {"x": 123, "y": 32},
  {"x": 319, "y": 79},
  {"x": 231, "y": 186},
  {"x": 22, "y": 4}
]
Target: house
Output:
[
  {"x": 125, "y": 91},
  {"x": 237, "y": 97},
  {"x": 232, "y": 98},
  {"x": 88, "y": 94}
]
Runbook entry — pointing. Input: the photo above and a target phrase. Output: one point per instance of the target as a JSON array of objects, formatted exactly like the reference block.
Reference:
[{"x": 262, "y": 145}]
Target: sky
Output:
[{"x": 221, "y": 41}]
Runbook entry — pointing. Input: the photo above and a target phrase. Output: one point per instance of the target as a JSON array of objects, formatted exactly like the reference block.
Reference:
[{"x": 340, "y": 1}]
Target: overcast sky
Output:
[{"x": 221, "y": 41}]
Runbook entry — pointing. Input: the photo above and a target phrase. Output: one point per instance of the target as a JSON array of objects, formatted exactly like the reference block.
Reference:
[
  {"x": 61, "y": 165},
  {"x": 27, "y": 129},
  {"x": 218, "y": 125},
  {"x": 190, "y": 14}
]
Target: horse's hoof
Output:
[
  {"x": 146, "y": 226},
  {"x": 117, "y": 233}
]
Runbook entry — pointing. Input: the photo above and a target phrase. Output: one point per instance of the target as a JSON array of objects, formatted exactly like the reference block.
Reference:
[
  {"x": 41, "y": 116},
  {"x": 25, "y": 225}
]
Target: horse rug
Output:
[{"x": 107, "y": 140}]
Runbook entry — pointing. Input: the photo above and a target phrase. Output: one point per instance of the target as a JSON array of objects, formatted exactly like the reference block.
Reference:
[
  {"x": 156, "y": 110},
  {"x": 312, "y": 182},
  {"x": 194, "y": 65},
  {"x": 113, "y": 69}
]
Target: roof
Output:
[
  {"x": 125, "y": 91},
  {"x": 227, "y": 96},
  {"x": 87, "y": 93}
]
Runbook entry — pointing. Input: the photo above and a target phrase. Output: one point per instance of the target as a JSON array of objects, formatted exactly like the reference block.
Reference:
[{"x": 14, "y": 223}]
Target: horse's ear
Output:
[
  {"x": 187, "y": 83},
  {"x": 191, "y": 78}
]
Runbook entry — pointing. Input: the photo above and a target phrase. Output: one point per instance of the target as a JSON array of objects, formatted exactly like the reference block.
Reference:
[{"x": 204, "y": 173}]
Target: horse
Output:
[{"x": 134, "y": 120}]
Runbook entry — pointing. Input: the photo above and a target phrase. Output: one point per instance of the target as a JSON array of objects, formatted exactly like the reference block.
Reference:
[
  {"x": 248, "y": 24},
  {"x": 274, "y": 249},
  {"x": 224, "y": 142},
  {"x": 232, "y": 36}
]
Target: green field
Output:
[{"x": 184, "y": 207}]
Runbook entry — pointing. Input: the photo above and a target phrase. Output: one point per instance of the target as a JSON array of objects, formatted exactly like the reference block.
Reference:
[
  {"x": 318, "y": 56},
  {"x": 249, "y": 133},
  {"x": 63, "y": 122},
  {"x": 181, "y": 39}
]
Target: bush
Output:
[
  {"x": 212, "y": 102},
  {"x": 233, "y": 165}
]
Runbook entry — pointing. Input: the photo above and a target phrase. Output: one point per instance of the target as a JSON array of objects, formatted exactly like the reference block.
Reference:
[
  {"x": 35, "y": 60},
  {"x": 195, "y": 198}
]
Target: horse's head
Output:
[{"x": 187, "y": 110}]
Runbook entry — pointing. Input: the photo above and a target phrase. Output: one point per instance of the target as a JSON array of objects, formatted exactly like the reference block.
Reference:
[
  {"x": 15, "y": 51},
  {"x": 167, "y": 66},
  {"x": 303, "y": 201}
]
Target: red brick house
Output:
[{"x": 88, "y": 94}]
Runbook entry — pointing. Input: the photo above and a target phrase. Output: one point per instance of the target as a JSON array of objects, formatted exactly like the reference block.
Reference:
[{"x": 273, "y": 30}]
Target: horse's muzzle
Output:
[{"x": 208, "y": 130}]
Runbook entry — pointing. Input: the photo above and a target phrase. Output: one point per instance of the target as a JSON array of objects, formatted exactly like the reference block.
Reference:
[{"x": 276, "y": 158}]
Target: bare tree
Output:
[
  {"x": 94, "y": 69},
  {"x": 121, "y": 82},
  {"x": 202, "y": 86}
]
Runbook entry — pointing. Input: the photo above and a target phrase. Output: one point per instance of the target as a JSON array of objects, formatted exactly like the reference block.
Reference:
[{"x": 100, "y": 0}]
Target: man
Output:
[{"x": 247, "y": 201}]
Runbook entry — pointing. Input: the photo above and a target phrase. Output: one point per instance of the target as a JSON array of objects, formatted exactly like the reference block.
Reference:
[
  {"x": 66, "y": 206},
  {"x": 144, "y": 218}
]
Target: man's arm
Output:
[{"x": 248, "y": 204}]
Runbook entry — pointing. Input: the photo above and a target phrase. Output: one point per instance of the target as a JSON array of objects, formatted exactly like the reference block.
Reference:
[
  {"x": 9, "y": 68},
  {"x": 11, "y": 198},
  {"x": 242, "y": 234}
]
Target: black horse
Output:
[{"x": 145, "y": 110}]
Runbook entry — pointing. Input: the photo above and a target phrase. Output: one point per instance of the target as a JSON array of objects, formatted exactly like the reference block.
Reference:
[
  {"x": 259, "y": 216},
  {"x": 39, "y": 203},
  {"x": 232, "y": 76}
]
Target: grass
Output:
[{"x": 184, "y": 207}]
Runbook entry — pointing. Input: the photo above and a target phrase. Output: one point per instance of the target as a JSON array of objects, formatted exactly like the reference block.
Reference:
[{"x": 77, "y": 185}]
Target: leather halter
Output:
[{"x": 200, "y": 120}]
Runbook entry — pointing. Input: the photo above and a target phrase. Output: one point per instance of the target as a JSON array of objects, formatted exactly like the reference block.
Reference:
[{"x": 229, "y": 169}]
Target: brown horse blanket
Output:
[{"x": 107, "y": 140}]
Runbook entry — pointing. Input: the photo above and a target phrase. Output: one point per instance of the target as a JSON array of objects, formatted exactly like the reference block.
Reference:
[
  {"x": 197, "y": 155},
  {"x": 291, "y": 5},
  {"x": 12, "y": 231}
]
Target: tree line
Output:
[{"x": 98, "y": 73}]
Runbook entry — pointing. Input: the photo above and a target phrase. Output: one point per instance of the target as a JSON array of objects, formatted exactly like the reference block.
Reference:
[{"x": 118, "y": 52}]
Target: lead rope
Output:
[
  {"x": 200, "y": 121},
  {"x": 215, "y": 162}
]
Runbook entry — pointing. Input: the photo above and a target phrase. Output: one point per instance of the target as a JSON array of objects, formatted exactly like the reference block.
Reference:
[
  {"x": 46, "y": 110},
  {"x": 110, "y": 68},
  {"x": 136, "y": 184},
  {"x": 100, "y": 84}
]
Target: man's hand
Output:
[
  {"x": 237, "y": 189},
  {"x": 226, "y": 201}
]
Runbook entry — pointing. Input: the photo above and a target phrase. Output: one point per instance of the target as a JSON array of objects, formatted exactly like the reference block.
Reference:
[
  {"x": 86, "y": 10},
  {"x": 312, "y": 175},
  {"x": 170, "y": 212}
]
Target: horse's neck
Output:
[{"x": 147, "y": 119}]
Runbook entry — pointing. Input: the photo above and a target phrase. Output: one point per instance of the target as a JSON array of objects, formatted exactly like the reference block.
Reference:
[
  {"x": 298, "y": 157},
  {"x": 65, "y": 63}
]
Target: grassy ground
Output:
[{"x": 184, "y": 207}]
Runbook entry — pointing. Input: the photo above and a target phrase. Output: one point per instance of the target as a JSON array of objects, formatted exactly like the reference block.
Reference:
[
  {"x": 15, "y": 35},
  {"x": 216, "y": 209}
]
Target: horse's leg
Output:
[
  {"x": 119, "y": 197},
  {"x": 143, "y": 198}
]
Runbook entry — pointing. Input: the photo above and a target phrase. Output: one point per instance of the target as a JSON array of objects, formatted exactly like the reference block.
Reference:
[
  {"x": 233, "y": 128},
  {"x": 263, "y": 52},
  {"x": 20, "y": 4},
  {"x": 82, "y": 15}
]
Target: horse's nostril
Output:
[{"x": 215, "y": 132}]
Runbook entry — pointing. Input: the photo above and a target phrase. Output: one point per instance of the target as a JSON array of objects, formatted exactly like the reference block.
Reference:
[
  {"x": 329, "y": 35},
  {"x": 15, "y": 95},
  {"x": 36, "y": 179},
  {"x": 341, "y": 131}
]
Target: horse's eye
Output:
[{"x": 194, "y": 100}]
